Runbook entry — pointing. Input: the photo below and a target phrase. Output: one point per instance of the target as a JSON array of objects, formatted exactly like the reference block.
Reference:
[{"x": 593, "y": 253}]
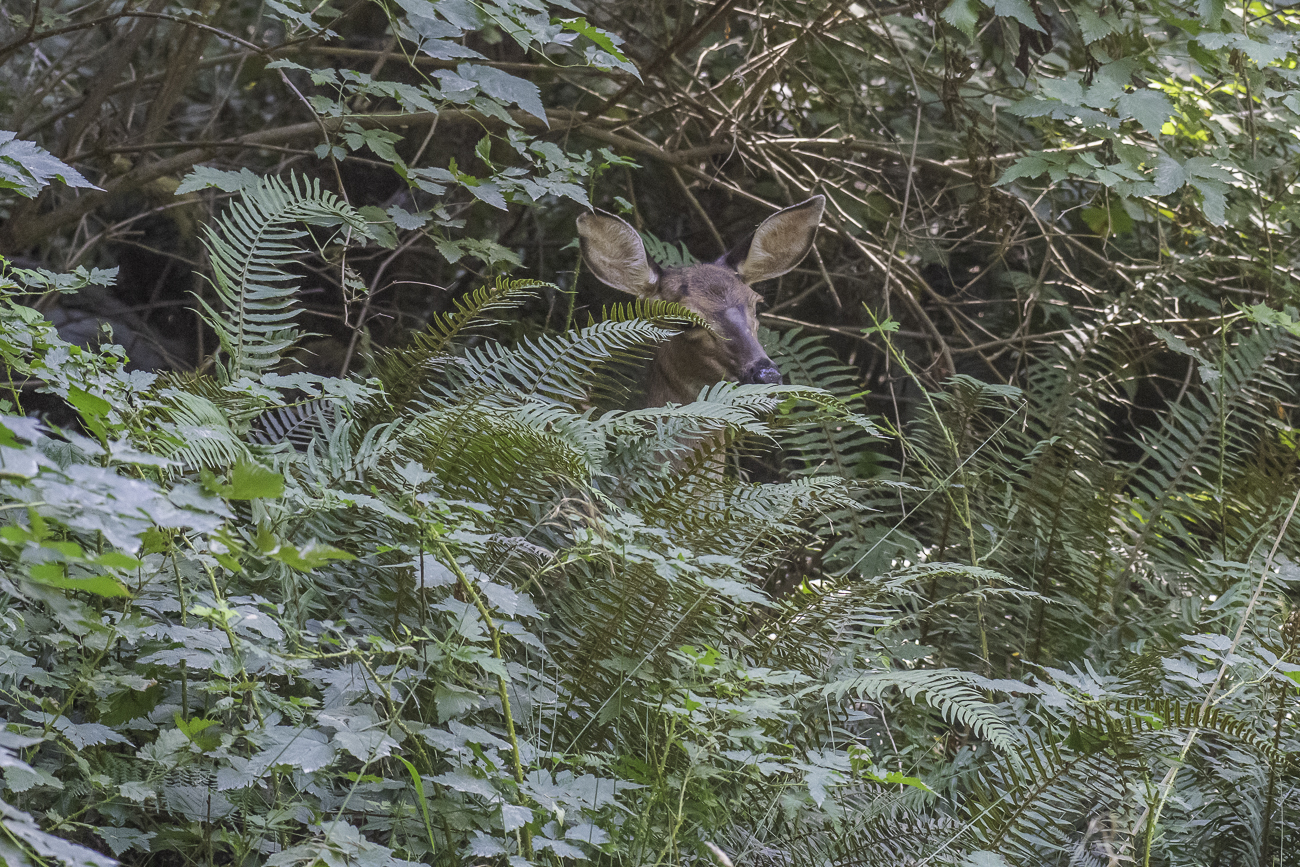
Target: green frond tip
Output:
[
  {"x": 1126, "y": 719},
  {"x": 665, "y": 314},
  {"x": 953, "y": 693},
  {"x": 399, "y": 369},
  {"x": 252, "y": 248}
]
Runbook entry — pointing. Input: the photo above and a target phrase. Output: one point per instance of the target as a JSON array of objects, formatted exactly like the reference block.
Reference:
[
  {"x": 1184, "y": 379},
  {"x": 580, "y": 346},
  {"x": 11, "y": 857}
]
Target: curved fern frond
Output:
[
  {"x": 1043, "y": 799},
  {"x": 400, "y": 369},
  {"x": 665, "y": 314},
  {"x": 561, "y": 368},
  {"x": 955, "y": 694},
  {"x": 1130, "y": 718},
  {"x": 199, "y": 432},
  {"x": 297, "y": 425},
  {"x": 253, "y": 249}
]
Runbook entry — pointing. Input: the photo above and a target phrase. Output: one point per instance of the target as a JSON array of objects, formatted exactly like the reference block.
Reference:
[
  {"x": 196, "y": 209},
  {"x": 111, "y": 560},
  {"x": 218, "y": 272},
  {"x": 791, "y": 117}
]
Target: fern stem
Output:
[
  {"x": 1270, "y": 800},
  {"x": 502, "y": 690},
  {"x": 1291, "y": 641}
]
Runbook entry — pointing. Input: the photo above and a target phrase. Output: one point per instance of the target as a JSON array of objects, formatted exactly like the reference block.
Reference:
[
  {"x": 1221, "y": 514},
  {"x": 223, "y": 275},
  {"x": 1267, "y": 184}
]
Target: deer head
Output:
[{"x": 718, "y": 291}]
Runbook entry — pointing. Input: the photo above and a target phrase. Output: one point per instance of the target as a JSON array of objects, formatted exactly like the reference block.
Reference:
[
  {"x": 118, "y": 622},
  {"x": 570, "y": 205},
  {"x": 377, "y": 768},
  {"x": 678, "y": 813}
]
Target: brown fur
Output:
[
  {"x": 718, "y": 291},
  {"x": 698, "y": 358}
]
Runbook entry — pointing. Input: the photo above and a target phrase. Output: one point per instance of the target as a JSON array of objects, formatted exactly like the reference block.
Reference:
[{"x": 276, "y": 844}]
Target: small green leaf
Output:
[
  {"x": 1148, "y": 107},
  {"x": 117, "y": 560},
  {"x": 895, "y": 778},
  {"x": 53, "y": 575},
  {"x": 484, "y": 150},
  {"x": 1091, "y": 25},
  {"x": 1020, "y": 11},
  {"x": 508, "y": 88},
  {"x": 595, "y": 34},
  {"x": 1029, "y": 166},
  {"x": 203, "y": 177},
  {"x": 193, "y": 730},
  {"x": 1214, "y": 199},
  {"x": 1211, "y": 12},
  {"x": 132, "y": 704},
  {"x": 1169, "y": 176},
  {"x": 250, "y": 481},
  {"x": 963, "y": 14},
  {"x": 1109, "y": 219},
  {"x": 310, "y": 556},
  {"x": 378, "y": 223},
  {"x": 887, "y": 326},
  {"x": 92, "y": 409}
]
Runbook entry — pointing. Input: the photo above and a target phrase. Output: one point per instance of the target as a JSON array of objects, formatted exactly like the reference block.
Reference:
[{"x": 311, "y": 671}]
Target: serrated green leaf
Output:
[
  {"x": 29, "y": 168},
  {"x": 1214, "y": 199},
  {"x": 203, "y": 177},
  {"x": 1018, "y": 10},
  {"x": 499, "y": 84},
  {"x": 1091, "y": 25},
  {"x": 92, "y": 409},
  {"x": 1169, "y": 176},
  {"x": 1029, "y": 166},
  {"x": 250, "y": 481},
  {"x": 484, "y": 150},
  {"x": 963, "y": 14},
  {"x": 1150, "y": 108},
  {"x": 595, "y": 34}
]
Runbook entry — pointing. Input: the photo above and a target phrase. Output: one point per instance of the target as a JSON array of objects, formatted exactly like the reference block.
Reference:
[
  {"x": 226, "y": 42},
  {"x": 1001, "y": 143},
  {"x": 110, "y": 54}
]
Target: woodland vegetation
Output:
[{"x": 330, "y": 532}]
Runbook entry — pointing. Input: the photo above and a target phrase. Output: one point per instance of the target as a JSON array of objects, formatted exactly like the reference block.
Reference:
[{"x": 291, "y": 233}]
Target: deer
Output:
[{"x": 719, "y": 291}]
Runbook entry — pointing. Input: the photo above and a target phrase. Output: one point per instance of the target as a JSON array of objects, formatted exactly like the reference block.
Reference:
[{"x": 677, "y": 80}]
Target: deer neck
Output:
[{"x": 679, "y": 371}]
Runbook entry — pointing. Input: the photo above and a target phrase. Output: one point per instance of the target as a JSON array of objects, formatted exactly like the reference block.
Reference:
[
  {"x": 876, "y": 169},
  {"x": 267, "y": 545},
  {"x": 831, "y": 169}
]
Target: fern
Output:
[
  {"x": 199, "y": 432},
  {"x": 251, "y": 251},
  {"x": 953, "y": 693},
  {"x": 400, "y": 370},
  {"x": 297, "y": 425}
]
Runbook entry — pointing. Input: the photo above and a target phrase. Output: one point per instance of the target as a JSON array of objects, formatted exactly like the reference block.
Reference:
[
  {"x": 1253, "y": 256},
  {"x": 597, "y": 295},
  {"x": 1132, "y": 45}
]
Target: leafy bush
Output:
[
  {"x": 462, "y": 625},
  {"x": 457, "y": 610}
]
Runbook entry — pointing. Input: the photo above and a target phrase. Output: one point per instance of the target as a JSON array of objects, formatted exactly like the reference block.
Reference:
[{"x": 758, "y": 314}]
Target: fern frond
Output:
[
  {"x": 951, "y": 692},
  {"x": 665, "y": 314},
  {"x": 198, "y": 431},
  {"x": 400, "y": 370},
  {"x": 252, "y": 249},
  {"x": 297, "y": 425},
  {"x": 560, "y": 368},
  {"x": 1131, "y": 718},
  {"x": 1040, "y": 800}
]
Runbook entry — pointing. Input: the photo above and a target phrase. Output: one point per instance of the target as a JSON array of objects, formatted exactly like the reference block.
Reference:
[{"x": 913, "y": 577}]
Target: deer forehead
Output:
[{"x": 708, "y": 288}]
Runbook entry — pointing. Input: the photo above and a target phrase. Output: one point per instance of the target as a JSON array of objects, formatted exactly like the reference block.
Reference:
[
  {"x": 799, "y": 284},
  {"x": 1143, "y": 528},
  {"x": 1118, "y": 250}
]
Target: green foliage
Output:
[
  {"x": 27, "y": 168},
  {"x": 1016, "y": 587},
  {"x": 422, "y": 615},
  {"x": 250, "y": 258},
  {"x": 517, "y": 629}
]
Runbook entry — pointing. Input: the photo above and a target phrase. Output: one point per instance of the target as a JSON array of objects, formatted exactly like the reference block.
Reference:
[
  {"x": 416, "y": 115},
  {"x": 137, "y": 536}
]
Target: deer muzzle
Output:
[{"x": 764, "y": 372}]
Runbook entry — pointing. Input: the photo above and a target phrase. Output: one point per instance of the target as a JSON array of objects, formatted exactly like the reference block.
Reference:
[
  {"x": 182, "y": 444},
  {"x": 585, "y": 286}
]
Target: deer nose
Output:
[{"x": 764, "y": 372}]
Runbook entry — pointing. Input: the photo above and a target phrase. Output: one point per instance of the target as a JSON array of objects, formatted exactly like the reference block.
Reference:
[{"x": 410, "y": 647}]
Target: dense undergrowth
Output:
[
  {"x": 1004, "y": 575},
  {"x": 448, "y": 613}
]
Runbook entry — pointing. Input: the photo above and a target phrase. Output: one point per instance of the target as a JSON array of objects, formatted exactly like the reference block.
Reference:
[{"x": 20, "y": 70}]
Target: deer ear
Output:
[
  {"x": 779, "y": 243},
  {"x": 613, "y": 251}
]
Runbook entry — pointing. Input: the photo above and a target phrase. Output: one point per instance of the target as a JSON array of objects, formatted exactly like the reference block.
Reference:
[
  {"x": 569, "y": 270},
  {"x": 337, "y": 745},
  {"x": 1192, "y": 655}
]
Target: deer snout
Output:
[{"x": 764, "y": 372}]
